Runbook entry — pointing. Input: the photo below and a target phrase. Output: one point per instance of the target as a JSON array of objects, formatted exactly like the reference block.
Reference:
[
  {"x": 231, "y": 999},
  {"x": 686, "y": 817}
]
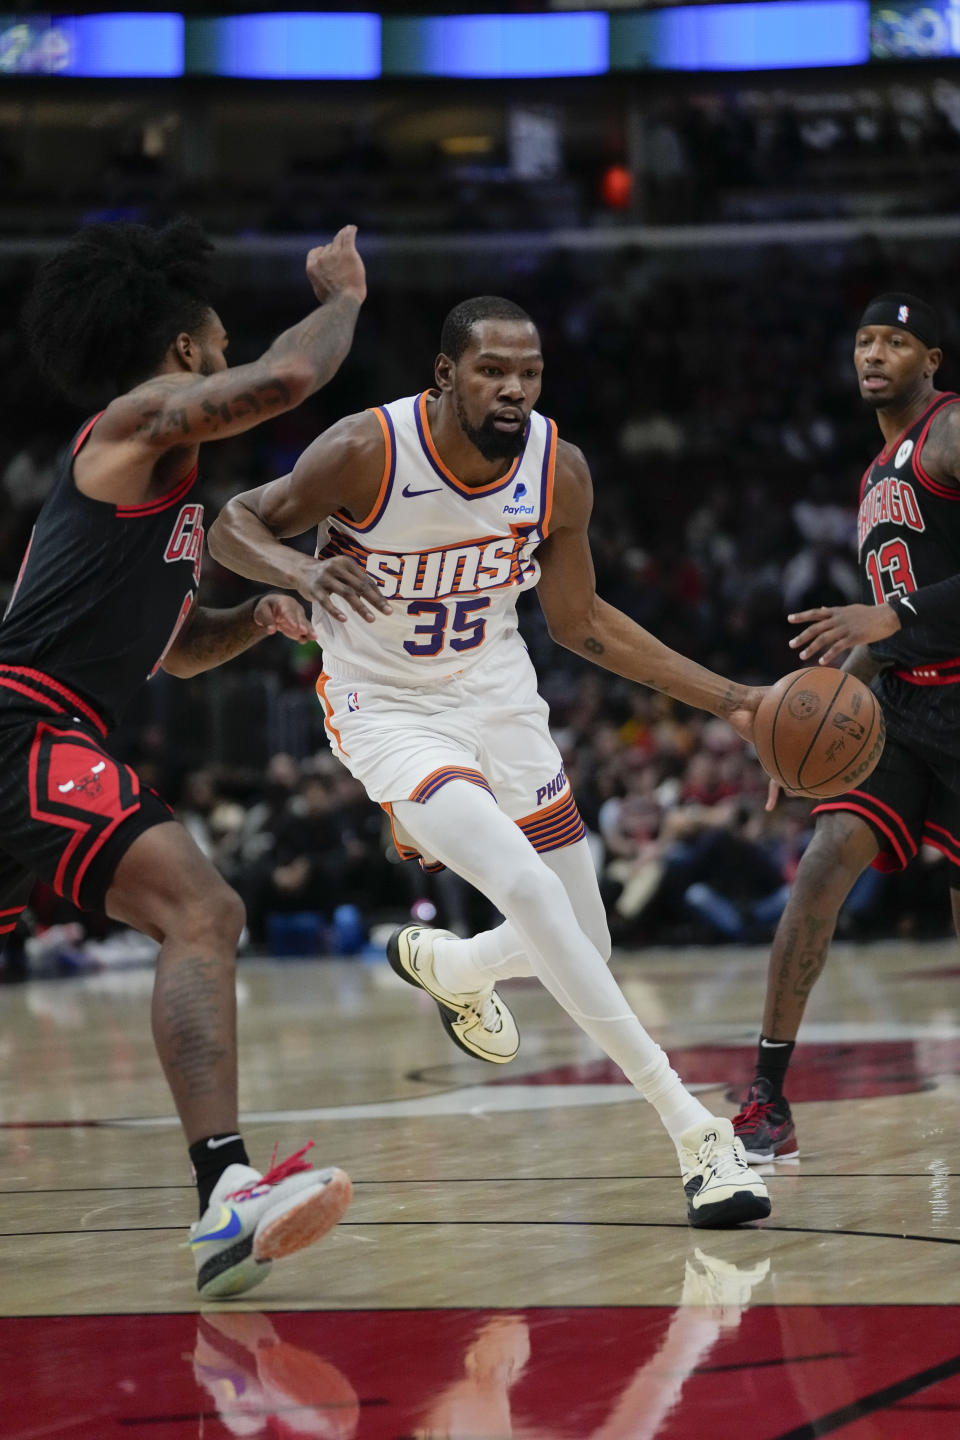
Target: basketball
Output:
[{"x": 819, "y": 732}]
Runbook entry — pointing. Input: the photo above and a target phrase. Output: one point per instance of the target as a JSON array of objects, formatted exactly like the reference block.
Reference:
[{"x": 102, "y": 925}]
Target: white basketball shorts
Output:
[{"x": 487, "y": 724}]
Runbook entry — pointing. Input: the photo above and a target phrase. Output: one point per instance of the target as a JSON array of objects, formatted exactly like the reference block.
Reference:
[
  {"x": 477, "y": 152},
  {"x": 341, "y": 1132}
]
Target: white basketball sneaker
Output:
[
  {"x": 721, "y": 1188},
  {"x": 478, "y": 1021},
  {"x": 253, "y": 1219}
]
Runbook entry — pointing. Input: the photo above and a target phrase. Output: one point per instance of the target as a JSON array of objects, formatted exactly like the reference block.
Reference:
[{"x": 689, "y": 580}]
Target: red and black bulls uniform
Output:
[
  {"x": 102, "y": 592},
  {"x": 909, "y": 537}
]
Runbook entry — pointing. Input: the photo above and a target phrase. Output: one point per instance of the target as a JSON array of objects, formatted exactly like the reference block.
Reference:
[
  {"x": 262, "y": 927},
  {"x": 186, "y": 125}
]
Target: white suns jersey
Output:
[{"x": 450, "y": 558}]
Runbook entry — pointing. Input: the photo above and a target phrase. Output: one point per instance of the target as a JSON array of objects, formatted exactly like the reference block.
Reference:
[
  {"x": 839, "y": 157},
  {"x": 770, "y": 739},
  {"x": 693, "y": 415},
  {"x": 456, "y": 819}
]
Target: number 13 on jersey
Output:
[
  {"x": 889, "y": 571},
  {"x": 459, "y": 626}
]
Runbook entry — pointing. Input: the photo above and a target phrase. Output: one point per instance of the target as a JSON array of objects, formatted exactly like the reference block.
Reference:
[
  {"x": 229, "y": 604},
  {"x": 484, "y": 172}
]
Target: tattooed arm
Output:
[
  {"x": 579, "y": 620},
  {"x": 146, "y": 440},
  {"x": 210, "y": 637}
]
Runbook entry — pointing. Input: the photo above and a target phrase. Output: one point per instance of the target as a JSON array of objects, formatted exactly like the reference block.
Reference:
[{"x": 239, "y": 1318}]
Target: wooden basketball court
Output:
[{"x": 516, "y": 1261}]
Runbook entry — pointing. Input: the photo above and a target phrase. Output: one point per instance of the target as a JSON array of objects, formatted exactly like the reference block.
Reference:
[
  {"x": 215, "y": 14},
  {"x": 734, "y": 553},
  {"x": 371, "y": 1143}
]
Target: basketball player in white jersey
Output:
[{"x": 433, "y": 513}]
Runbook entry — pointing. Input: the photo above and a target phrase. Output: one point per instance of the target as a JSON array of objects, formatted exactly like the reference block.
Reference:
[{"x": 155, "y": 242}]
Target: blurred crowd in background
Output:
[{"x": 712, "y": 392}]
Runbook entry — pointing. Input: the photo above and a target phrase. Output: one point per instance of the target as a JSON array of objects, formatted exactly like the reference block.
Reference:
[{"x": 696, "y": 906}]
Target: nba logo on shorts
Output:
[
  {"x": 353, "y": 700},
  {"x": 903, "y": 314}
]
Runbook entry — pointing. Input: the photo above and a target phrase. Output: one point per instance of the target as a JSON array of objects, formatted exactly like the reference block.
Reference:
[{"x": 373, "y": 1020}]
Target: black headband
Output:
[{"x": 906, "y": 312}]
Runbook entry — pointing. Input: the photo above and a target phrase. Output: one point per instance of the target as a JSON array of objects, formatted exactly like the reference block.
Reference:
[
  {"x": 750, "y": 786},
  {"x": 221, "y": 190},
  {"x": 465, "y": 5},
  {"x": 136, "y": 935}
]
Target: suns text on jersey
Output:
[{"x": 488, "y": 564}]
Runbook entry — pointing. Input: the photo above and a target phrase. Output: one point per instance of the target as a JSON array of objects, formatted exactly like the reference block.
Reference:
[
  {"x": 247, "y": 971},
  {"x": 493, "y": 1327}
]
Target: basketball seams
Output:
[
  {"x": 868, "y": 739},
  {"x": 773, "y": 740},
  {"x": 779, "y": 734},
  {"x": 799, "y": 680},
  {"x": 816, "y": 733},
  {"x": 851, "y": 762}
]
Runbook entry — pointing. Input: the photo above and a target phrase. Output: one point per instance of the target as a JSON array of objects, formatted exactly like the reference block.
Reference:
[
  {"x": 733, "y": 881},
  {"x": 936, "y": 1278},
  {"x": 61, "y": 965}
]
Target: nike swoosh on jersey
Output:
[
  {"x": 433, "y": 490},
  {"x": 228, "y": 1226}
]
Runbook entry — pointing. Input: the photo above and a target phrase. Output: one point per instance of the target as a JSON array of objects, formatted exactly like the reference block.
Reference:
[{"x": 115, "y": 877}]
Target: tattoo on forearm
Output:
[
  {"x": 262, "y": 399},
  {"x": 191, "y": 1025},
  {"x": 593, "y": 645},
  {"x": 215, "y": 636},
  {"x": 174, "y": 424},
  {"x": 728, "y": 702}
]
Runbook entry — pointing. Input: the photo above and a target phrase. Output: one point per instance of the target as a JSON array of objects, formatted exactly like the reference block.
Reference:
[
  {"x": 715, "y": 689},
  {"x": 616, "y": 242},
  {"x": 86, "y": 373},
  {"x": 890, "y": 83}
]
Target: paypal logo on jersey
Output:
[{"x": 515, "y": 508}]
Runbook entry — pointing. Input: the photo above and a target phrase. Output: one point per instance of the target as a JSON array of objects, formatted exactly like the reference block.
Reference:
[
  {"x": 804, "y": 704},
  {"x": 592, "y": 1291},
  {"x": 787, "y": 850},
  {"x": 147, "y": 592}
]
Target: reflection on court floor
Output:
[
  {"x": 710, "y": 1365},
  {"x": 516, "y": 1262}
]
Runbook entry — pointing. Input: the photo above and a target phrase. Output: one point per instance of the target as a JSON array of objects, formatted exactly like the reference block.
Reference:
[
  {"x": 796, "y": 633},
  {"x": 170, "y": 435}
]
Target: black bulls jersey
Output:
[
  {"x": 103, "y": 589},
  {"x": 908, "y": 533}
]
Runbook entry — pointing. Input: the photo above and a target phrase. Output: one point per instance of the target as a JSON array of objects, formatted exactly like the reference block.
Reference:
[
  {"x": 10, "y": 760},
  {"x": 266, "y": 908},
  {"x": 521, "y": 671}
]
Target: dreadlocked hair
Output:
[
  {"x": 104, "y": 310},
  {"x": 458, "y": 326}
]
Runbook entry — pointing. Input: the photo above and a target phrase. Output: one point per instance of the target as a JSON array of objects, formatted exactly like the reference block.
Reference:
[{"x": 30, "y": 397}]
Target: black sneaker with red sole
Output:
[{"x": 765, "y": 1126}]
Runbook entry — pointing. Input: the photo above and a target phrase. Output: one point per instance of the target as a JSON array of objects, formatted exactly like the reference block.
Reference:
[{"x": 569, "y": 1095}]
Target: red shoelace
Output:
[
  {"x": 293, "y": 1165},
  {"x": 755, "y": 1112}
]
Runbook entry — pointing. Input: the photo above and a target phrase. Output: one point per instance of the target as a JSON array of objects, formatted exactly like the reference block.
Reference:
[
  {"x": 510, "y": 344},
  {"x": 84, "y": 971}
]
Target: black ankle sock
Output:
[
  {"x": 210, "y": 1157},
  {"x": 773, "y": 1057}
]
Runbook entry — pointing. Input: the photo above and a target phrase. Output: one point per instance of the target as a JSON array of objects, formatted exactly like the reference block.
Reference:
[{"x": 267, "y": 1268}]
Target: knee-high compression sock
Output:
[{"x": 462, "y": 826}]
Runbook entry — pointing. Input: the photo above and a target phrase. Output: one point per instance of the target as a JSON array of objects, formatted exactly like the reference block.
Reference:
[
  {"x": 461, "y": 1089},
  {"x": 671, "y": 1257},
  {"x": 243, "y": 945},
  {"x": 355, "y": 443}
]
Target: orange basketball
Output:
[{"x": 819, "y": 732}]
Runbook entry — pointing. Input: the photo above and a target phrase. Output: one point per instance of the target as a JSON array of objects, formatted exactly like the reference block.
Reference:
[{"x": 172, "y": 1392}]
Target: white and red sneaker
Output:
[{"x": 253, "y": 1219}]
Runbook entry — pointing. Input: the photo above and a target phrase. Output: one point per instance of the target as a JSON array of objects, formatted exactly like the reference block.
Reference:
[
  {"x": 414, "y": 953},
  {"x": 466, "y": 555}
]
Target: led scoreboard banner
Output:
[
  {"x": 307, "y": 45},
  {"x": 915, "y": 31}
]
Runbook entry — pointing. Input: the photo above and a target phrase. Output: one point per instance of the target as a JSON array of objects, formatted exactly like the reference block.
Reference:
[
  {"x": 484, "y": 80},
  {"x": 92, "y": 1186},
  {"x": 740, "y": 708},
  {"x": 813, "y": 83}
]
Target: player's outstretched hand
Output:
[
  {"x": 336, "y": 269},
  {"x": 743, "y": 716},
  {"x": 344, "y": 578},
  {"x": 283, "y": 613},
  {"x": 831, "y": 630}
]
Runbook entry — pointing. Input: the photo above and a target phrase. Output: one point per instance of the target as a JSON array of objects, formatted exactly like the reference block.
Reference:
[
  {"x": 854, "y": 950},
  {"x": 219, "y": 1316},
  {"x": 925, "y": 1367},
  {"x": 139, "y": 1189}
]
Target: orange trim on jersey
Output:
[
  {"x": 447, "y": 473},
  {"x": 386, "y": 479},
  {"x": 322, "y": 682},
  {"x": 438, "y": 778},
  {"x": 406, "y": 852},
  {"x": 549, "y": 475},
  {"x": 162, "y": 502},
  {"x": 557, "y": 826}
]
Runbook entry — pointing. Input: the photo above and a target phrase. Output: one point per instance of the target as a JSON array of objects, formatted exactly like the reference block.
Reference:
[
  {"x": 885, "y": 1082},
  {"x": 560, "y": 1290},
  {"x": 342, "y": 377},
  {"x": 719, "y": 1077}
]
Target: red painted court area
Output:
[
  {"x": 866, "y": 1373},
  {"x": 856, "y": 1070}
]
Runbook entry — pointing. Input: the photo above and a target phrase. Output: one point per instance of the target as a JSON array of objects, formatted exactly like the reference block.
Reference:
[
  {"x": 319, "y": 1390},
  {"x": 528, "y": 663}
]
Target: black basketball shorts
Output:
[
  {"x": 913, "y": 796},
  {"x": 69, "y": 810}
]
